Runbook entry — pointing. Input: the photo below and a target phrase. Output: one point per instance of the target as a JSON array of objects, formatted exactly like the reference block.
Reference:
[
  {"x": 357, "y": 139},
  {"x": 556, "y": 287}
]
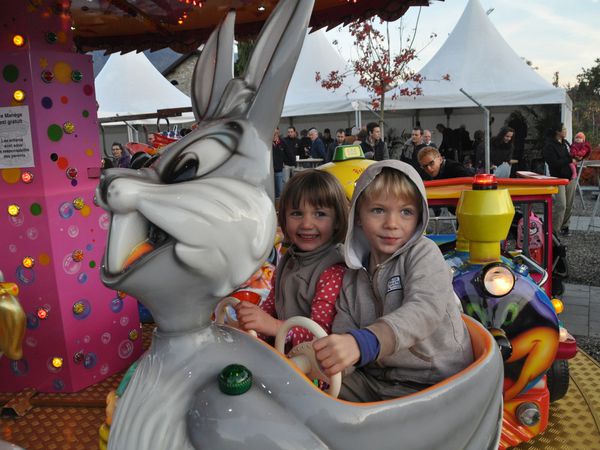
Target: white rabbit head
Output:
[{"x": 200, "y": 220}]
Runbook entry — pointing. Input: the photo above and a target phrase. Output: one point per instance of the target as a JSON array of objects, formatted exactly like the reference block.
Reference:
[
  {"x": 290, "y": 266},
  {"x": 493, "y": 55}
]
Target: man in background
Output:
[
  {"x": 292, "y": 149},
  {"x": 411, "y": 148},
  {"x": 373, "y": 146},
  {"x": 427, "y": 139},
  {"x": 317, "y": 148},
  {"x": 340, "y": 138}
]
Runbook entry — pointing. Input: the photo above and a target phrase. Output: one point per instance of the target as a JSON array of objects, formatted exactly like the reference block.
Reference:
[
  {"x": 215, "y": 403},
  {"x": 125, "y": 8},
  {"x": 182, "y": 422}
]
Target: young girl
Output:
[
  {"x": 580, "y": 149},
  {"x": 313, "y": 215}
]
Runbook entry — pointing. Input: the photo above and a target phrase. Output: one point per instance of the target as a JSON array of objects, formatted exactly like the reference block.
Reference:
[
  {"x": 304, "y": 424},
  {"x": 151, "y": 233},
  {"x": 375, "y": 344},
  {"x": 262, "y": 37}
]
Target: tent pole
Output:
[{"x": 486, "y": 117}]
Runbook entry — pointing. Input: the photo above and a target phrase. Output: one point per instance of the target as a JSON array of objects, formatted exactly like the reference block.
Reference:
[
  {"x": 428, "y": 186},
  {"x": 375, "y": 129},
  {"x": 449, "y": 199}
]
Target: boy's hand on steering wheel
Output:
[
  {"x": 251, "y": 317},
  {"x": 336, "y": 352}
]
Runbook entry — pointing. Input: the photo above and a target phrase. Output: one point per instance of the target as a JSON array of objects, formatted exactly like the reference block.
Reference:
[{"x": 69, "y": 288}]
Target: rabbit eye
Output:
[{"x": 184, "y": 170}]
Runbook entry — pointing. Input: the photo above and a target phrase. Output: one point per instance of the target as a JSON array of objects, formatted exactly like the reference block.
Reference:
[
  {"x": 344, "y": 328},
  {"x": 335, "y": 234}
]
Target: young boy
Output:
[{"x": 397, "y": 320}]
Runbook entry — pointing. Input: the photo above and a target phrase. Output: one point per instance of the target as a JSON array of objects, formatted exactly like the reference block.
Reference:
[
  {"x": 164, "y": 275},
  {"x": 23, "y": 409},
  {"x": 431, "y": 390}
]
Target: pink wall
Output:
[{"x": 58, "y": 219}]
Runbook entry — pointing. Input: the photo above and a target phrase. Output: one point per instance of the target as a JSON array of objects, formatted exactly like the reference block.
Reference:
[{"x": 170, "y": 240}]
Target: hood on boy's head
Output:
[
  {"x": 580, "y": 135},
  {"x": 357, "y": 246}
]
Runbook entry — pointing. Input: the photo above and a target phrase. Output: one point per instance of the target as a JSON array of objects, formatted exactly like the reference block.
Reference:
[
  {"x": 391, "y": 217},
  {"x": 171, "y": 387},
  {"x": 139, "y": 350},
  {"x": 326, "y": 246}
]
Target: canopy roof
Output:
[
  {"x": 125, "y": 25},
  {"x": 305, "y": 96},
  {"x": 478, "y": 60},
  {"x": 130, "y": 85}
]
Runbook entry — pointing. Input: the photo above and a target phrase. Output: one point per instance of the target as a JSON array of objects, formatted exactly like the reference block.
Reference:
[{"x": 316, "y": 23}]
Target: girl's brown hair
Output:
[{"x": 319, "y": 189}]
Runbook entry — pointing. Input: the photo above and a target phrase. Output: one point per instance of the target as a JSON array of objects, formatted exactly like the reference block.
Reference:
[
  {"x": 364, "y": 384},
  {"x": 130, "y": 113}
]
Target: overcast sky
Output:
[{"x": 555, "y": 35}]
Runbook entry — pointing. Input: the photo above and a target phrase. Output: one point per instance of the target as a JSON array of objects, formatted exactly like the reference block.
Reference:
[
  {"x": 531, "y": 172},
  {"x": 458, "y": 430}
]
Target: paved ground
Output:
[
  {"x": 582, "y": 309},
  {"x": 582, "y": 302}
]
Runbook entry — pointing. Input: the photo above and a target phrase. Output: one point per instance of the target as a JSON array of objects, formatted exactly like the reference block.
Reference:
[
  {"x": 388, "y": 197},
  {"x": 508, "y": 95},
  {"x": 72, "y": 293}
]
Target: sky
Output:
[{"x": 555, "y": 35}]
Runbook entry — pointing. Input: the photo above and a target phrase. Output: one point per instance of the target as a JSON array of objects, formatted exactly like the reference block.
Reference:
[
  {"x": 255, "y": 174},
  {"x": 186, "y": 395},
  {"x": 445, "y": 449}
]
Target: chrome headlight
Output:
[{"x": 497, "y": 279}]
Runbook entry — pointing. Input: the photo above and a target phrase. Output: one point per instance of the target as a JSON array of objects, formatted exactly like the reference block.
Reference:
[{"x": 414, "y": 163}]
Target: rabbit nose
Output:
[{"x": 119, "y": 189}]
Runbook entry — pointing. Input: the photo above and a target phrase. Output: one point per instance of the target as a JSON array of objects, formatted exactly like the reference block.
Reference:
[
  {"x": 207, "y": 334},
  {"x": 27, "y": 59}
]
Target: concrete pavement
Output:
[
  {"x": 582, "y": 309},
  {"x": 582, "y": 302}
]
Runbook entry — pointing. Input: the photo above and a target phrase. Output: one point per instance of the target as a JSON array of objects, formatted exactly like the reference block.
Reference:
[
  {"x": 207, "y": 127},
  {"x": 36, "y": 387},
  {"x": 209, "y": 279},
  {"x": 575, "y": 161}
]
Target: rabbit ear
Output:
[
  {"x": 214, "y": 69},
  {"x": 273, "y": 61}
]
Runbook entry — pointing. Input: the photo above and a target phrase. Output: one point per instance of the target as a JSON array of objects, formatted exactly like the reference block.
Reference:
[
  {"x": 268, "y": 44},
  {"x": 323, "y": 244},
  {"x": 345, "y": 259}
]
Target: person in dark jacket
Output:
[
  {"x": 435, "y": 167},
  {"x": 121, "y": 157},
  {"x": 373, "y": 146},
  {"x": 317, "y": 148},
  {"x": 448, "y": 146},
  {"x": 292, "y": 149},
  {"x": 305, "y": 143},
  {"x": 278, "y": 160},
  {"x": 410, "y": 150},
  {"x": 557, "y": 157},
  {"x": 340, "y": 139},
  {"x": 501, "y": 152}
]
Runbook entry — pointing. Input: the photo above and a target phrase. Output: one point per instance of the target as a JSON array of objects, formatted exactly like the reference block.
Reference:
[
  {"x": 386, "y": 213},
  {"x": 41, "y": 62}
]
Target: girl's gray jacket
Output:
[{"x": 408, "y": 303}]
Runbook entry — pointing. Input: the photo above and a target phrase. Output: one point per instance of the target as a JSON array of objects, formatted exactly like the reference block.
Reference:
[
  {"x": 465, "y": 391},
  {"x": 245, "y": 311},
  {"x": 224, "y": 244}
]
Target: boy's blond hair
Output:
[{"x": 392, "y": 183}]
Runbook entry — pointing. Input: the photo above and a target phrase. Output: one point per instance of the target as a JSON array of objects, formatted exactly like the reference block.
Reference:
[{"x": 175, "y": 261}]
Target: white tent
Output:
[
  {"x": 478, "y": 60},
  {"x": 305, "y": 96},
  {"x": 129, "y": 85}
]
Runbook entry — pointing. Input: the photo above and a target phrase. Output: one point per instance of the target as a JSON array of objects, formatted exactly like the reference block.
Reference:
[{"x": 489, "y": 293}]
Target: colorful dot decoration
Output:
[
  {"x": 10, "y": 73},
  {"x": 62, "y": 163},
  {"x": 64, "y": 99},
  {"x": 47, "y": 102},
  {"x": 44, "y": 259},
  {"x": 85, "y": 211},
  {"x": 11, "y": 176},
  {"x": 69, "y": 127},
  {"x": 62, "y": 72},
  {"x": 85, "y": 113},
  {"x": 88, "y": 89},
  {"x": 36, "y": 209},
  {"x": 55, "y": 132}
]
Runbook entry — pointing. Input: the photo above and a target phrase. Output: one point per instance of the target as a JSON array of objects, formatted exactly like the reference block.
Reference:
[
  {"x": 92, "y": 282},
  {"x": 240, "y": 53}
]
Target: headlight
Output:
[{"x": 497, "y": 279}]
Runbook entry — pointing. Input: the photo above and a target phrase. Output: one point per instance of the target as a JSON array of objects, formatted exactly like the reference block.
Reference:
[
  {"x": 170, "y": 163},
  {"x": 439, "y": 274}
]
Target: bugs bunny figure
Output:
[{"x": 202, "y": 219}]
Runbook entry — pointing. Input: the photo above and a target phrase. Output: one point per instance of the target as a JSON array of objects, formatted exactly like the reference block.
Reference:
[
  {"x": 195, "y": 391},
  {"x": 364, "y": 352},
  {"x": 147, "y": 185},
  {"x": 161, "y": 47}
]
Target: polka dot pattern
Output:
[{"x": 322, "y": 306}]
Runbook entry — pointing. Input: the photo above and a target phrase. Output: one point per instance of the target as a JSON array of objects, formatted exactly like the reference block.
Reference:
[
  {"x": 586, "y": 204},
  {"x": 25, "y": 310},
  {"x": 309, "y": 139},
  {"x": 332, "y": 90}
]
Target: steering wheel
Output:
[
  {"x": 222, "y": 312},
  {"x": 303, "y": 354}
]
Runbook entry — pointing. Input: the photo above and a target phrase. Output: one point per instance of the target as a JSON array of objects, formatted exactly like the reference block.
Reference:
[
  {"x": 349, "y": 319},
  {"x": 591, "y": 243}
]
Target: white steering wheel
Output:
[
  {"x": 303, "y": 354},
  {"x": 222, "y": 313}
]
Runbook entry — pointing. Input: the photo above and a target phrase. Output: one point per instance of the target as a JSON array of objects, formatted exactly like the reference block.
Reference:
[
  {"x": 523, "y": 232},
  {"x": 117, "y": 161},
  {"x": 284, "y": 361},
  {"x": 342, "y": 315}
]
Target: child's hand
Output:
[
  {"x": 336, "y": 352},
  {"x": 251, "y": 317}
]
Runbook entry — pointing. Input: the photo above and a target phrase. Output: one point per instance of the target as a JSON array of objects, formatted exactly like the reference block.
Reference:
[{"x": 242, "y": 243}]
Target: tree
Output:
[
  {"x": 244, "y": 51},
  {"x": 586, "y": 102},
  {"x": 377, "y": 67}
]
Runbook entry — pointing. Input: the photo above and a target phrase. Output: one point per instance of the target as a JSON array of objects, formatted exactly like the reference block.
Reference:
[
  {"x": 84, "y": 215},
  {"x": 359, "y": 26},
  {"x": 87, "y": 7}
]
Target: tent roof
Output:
[
  {"x": 129, "y": 85},
  {"x": 480, "y": 61},
  {"x": 305, "y": 96}
]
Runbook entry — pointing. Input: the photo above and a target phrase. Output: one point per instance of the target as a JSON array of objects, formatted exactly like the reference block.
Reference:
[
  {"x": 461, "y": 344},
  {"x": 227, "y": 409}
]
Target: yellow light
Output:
[
  {"x": 559, "y": 307},
  {"x": 57, "y": 362},
  {"x": 28, "y": 262},
  {"x": 13, "y": 210},
  {"x": 19, "y": 95},
  {"x": 18, "y": 40}
]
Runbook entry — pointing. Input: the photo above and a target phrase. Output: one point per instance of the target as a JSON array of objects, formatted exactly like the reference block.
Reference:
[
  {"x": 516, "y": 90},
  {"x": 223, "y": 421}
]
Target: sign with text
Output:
[{"x": 16, "y": 149}]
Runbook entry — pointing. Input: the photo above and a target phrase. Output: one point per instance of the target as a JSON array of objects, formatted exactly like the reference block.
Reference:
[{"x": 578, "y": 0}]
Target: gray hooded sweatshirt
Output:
[{"x": 408, "y": 302}]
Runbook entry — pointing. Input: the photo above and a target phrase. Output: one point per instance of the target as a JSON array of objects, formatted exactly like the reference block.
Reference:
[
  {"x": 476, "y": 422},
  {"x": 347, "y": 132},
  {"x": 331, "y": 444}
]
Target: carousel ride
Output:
[{"x": 150, "y": 256}]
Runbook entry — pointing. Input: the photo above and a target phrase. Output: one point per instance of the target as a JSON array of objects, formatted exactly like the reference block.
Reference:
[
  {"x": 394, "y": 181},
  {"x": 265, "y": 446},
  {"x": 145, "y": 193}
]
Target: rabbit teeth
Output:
[{"x": 127, "y": 232}]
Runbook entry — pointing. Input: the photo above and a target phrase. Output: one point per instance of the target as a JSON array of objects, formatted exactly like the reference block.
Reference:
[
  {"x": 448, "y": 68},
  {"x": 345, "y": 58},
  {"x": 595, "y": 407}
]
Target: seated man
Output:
[{"x": 436, "y": 167}]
